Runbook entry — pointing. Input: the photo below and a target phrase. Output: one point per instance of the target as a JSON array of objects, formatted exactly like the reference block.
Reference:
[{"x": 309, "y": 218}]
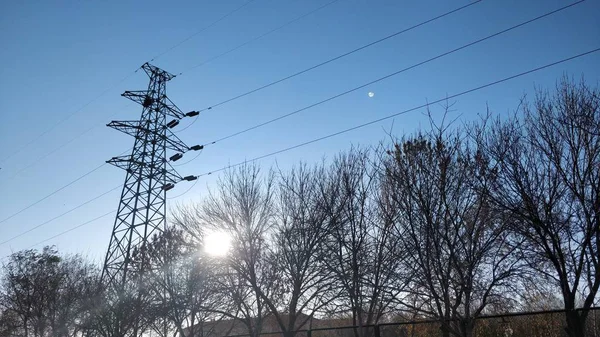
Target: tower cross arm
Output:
[
  {"x": 142, "y": 97},
  {"x": 172, "y": 109},
  {"x": 129, "y": 127},
  {"x": 174, "y": 143},
  {"x": 172, "y": 176},
  {"x": 156, "y": 73}
]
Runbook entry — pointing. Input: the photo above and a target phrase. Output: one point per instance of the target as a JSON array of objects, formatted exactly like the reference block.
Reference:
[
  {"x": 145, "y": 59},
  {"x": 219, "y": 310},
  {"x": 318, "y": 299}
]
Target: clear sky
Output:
[{"x": 58, "y": 57}]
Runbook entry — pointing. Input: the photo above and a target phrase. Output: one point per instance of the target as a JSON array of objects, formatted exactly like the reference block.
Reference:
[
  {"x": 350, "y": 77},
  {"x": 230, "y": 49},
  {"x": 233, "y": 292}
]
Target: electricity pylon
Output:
[{"x": 149, "y": 175}]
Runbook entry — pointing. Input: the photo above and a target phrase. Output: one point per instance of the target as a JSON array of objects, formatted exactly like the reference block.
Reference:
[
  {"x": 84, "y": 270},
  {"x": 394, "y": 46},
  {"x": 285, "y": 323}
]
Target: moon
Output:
[{"x": 371, "y": 94}]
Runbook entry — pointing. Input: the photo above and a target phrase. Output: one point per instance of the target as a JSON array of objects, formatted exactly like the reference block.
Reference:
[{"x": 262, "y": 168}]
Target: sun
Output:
[{"x": 217, "y": 243}]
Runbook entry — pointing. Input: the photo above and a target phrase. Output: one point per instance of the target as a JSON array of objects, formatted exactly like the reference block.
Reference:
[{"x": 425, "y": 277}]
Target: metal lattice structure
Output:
[{"x": 142, "y": 207}]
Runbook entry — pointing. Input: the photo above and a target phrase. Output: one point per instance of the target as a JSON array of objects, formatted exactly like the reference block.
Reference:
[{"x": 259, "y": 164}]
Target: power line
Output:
[
  {"x": 186, "y": 191},
  {"x": 65, "y": 186},
  {"x": 347, "y": 130},
  {"x": 72, "y": 209},
  {"x": 89, "y": 221},
  {"x": 97, "y": 218},
  {"x": 336, "y": 96},
  {"x": 155, "y": 57},
  {"x": 190, "y": 160},
  {"x": 56, "y": 191},
  {"x": 80, "y": 205},
  {"x": 352, "y": 90},
  {"x": 202, "y": 30},
  {"x": 160, "y": 55},
  {"x": 358, "y": 127},
  {"x": 187, "y": 126},
  {"x": 94, "y": 219},
  {"x": 261, "y": 36},
  {"x": 53, "y": 193},
  {"x": 392, "y": 74},
  {"x": 338, "y": 57},
  {"x": 54, "y": 126},
  {"x": 48, "y": 154},
  {"x": 60, "y": 215},
  {"x": 405, "y": 111},
  {"x": 250, "y": 41},
  {"x": 73, "y": 228},
  {"x": 58, "y": 148},
  {"x": 235, "y": 48}
]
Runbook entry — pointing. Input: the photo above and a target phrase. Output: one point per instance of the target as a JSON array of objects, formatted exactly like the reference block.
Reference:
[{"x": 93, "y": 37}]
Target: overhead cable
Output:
[
  {"x": 490, "y": 84},
  {"x": 391, "y": 75},
  {"x": 285, "y": 78},
  {"x": 403, "y": 112}
]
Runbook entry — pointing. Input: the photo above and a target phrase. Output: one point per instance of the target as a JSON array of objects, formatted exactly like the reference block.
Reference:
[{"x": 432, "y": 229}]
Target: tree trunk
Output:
[
  {"x": 445, "y": 329},
  {"x": 575, "y": 324},
  {"x": 466, "y": 328},
  {"x": 355, "y": 323}
]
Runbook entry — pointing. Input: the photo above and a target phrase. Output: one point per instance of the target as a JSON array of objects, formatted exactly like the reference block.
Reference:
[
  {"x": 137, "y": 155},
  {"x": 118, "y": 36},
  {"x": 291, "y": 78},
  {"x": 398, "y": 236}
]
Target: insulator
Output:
[
  {"x": 167, "y": 187},
  {"x": 190, "y": 178},
  {"x": 176, "y": 157},
  {"x": 172, "y": 123},
  {"x": 192, "y": 113},
  {"x": 197, "y": 147},
  {"x": 147, "y": 101}
]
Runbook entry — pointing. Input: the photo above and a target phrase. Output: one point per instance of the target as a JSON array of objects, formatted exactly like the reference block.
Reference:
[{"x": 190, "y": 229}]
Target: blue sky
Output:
[{"x": 58, "y": 56}]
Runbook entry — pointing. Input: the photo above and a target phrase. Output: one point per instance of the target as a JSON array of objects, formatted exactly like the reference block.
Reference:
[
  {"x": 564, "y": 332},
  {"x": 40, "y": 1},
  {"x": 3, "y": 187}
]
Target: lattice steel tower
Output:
[{"x": 149, "y": 176}]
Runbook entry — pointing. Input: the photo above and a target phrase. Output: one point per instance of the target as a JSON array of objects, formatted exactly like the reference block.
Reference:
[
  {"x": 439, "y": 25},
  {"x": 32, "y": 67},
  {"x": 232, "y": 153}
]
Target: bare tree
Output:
[
  {"x": 122, "y": 309},
  {"x": 303, "y": 282},
  {"x": 180, "y": 286},
  {"x": 9, "y": 324},
  {"x": 548, "y": 177},
  {"x": 119, "y": 311},
  {"x": 362, "y": 251},
  {"x": 458, "y": 248},
  {"x": 243, "y": 207},
  {"x": 45, "y": 294}
]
